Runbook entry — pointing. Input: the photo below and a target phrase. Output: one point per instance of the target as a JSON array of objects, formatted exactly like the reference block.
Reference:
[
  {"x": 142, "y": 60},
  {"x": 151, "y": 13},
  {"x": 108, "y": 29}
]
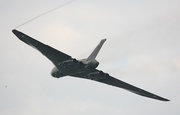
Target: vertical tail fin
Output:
[{"x": 93, "y": 55}]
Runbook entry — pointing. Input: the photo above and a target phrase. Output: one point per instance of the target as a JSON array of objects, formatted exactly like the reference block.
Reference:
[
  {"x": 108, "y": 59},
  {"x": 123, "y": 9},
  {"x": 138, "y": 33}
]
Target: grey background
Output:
[{"x": 142, "y": 49}]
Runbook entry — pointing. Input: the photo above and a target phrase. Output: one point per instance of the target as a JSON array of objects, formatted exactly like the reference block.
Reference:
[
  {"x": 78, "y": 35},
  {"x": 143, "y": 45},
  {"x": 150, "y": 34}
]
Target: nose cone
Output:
[{"x": 56, "y": 73}]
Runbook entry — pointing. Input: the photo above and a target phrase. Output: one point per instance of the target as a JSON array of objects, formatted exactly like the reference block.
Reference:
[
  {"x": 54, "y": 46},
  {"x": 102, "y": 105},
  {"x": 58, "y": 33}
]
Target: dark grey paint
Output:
[{"x": 85, "y": 68}]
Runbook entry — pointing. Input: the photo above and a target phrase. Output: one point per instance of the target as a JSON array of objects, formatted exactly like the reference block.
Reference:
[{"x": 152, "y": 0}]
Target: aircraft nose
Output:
[{"x": 54, "y": 72}]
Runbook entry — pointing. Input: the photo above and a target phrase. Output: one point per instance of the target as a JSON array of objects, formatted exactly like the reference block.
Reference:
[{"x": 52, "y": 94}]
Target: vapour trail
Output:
[{"x": 45, "y": 13}]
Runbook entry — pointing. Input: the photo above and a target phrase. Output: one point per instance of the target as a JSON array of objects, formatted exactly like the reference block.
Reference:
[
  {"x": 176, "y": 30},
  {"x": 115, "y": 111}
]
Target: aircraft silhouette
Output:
[{"x": 65, "y": 65}]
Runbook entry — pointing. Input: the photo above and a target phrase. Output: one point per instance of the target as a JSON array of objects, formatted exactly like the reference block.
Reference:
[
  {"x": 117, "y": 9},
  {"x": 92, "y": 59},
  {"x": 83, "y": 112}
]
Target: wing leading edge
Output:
[{"x": 52, "y": 54}]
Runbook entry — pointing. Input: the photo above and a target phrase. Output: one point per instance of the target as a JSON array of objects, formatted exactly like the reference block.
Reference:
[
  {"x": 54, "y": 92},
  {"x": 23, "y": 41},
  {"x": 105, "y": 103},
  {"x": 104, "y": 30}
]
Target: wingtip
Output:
[
  {"x": 163, "y": 99},
  {"x": 160, "y": 98},
  {"x": 14, "y": 31},
  {"x": 166, "y": 100}
]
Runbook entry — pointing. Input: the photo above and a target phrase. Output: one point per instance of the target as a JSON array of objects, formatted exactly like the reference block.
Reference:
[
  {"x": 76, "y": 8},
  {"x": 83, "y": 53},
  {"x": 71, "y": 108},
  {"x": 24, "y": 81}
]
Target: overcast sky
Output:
[{"x": 142, "y": 48}]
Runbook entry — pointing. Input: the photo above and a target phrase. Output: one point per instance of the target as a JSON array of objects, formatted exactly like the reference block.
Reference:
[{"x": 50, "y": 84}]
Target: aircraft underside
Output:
[{"x": 65, "y": 65}]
